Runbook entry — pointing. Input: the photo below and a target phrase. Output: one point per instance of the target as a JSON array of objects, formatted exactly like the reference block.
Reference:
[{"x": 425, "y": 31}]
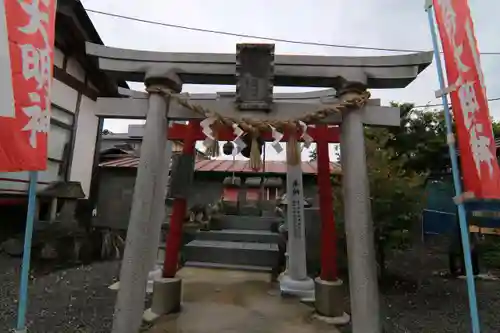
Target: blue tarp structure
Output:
[{"x": 439, "y": 214}]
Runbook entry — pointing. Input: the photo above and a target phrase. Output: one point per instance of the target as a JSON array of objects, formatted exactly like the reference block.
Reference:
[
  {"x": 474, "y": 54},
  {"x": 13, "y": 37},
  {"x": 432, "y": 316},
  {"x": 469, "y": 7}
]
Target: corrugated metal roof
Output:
[{"x": 277, "y": 167}]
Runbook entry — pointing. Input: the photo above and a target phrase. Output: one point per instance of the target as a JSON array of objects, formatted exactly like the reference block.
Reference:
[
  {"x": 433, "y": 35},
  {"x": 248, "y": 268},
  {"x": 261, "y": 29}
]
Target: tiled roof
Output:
[{"x": 276, "y": 167}]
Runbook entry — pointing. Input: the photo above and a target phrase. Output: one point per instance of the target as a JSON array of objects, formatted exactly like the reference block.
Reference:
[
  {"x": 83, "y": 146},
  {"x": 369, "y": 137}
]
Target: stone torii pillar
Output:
[
  {"x": 363, "y": 282},
  {"x": 136, "y": 261}
]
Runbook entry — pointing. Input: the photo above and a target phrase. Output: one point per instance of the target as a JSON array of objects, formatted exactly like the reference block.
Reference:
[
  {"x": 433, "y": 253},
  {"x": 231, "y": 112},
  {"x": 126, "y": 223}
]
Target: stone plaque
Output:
[
  {"x": 255, "y": 73},
  {"x": 181, "y": 178}
]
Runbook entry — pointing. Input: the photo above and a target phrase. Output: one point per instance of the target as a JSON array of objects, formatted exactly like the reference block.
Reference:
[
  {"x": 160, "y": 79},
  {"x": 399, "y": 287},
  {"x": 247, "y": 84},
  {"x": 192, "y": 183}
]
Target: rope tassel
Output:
[
  {"x": 213, "y": 150},
  {"x": 255, "y": 161},
  {"x": 292, "y": 151}
]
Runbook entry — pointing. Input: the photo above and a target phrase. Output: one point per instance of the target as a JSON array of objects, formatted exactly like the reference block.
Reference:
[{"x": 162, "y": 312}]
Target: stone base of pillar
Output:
[
  {"x": 299, "y": 288},
  {"x": 328, "y": 300},
  {"x": 337, "y": 321},
  {"x": 166, "y": 298}
]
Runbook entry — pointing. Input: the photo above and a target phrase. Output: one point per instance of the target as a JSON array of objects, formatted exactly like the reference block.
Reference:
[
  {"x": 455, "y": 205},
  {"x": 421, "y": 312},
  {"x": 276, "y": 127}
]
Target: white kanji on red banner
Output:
[
  {"x": 36, "y": 65},
  {"x": 7, "y": 108},
  {"x": 481, "y": 149},
  {"x": 469, "y": 99},
  {"x": 480, "y": 144},
  {"x": 30, "y": 42},
  {"x": 39, "y": 117}
]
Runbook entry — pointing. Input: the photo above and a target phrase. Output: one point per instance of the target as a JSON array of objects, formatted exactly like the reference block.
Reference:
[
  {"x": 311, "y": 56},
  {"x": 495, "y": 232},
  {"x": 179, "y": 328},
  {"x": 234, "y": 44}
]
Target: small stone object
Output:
[
  {"x": 13, "y": 247},
  {"x": 48, "y": 252}
]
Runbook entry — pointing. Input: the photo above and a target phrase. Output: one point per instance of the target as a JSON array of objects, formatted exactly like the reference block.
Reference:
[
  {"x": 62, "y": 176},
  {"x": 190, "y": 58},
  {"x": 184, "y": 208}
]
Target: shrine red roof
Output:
[{"x": 273, "y": 167}]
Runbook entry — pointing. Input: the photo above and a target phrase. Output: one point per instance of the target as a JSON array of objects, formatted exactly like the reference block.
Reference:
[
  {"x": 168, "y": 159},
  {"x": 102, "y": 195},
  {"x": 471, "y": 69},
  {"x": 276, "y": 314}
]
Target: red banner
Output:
[
  {"x": 25, "y": 114},
  {"x": 476, "y": 143}
]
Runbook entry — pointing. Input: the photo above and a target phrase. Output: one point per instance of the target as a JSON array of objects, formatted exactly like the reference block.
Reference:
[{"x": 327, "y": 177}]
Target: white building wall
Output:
[{"x": 64, "y": 100}]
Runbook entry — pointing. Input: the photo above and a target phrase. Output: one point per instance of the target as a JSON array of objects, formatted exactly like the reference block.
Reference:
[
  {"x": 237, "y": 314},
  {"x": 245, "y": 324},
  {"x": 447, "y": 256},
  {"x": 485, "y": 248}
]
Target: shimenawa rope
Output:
[{"x": 254, "y": 126}]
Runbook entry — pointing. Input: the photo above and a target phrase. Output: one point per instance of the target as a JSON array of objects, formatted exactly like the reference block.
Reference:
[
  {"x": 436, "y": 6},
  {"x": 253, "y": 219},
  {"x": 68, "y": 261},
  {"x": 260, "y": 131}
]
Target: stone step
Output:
[
  {"x": 228, "y": 266},
  {"x": 232, "y": 253},
  {"x": 239, "y": 235},
  {"x": 245, "y": 222}
]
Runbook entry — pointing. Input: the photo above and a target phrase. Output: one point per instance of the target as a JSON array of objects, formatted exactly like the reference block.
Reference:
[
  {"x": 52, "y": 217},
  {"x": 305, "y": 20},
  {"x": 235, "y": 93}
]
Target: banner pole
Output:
[
  {"x": 462, "y": 217},
  {"x": 23, "y": 288}
]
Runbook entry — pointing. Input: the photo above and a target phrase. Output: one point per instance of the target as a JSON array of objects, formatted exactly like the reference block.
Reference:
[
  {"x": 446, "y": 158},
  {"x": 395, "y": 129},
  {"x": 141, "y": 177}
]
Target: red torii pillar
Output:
[
  {"x": 328, "y": 233},
  {"x": 179, "y": 208}
]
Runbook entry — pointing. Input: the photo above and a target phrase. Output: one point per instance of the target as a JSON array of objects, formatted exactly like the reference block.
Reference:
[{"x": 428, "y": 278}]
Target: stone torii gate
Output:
[{"x": 164, "y": 74}]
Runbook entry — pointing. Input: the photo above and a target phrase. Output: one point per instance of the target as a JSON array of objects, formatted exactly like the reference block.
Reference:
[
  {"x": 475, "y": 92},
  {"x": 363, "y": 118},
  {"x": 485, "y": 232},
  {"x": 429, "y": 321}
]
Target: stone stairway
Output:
[{"x": 235, "y": 242}]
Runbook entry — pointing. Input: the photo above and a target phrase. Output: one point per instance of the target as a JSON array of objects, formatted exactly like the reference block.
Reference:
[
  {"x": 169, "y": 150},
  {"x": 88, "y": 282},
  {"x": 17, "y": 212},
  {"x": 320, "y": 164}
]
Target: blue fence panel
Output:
[{"x": 437, "y": 222}]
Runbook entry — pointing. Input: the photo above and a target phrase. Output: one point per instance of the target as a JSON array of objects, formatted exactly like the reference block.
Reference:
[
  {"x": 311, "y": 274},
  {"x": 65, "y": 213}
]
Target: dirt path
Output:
[{"x": 226, "y": 301}]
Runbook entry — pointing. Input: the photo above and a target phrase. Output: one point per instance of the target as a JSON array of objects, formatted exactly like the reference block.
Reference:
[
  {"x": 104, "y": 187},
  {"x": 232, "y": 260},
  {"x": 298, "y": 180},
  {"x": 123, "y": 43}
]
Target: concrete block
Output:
[
  {"x": 211, "y": 265},
  {"x": 234, "y": 235},
  {"x": 328, "y": 298},
  {"x": 166, "y": 298},
  {"x": 245, "y": 222},
  {"x": 234, "y": 253}
]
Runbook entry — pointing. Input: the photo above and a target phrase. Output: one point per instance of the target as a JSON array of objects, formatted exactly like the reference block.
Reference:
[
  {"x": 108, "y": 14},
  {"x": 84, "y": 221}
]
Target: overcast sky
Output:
[{"x": 378, "y": 23}]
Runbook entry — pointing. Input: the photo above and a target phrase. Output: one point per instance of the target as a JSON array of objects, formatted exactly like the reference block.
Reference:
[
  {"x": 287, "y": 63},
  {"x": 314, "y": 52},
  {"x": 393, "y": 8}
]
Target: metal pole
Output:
[
  {"x": 462, "y": 217},
  {"x": 23, "y": 288}
]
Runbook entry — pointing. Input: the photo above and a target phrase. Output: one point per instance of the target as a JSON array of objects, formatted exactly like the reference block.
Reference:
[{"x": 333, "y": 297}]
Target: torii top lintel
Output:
[{"x": 378, "y": 72}]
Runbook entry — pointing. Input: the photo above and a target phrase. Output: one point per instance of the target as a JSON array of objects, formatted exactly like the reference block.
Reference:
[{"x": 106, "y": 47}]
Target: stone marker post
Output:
[
  {"x": 137, "y": 257},
  {"x": 358, "y": 224},
  {"x": 295, "y": 281}
]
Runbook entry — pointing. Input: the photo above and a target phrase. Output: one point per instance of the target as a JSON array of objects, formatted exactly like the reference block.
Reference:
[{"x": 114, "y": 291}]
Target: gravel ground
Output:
[
  {"x": 418, "y": 298},
  {"x": 65, "y": 301},
  {"x": 78, "y": 299}
]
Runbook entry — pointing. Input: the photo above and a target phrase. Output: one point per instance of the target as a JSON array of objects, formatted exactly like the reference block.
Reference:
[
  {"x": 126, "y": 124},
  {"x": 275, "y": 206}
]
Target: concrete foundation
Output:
[
  {"x": 328, "y": 298},
  {"x": 303, "y": 289},
  {"x": 166, "y": 298}
]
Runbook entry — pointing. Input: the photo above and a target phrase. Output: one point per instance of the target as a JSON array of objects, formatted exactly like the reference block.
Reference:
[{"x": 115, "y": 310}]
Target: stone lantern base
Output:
[{"x": 303, "y": 289}]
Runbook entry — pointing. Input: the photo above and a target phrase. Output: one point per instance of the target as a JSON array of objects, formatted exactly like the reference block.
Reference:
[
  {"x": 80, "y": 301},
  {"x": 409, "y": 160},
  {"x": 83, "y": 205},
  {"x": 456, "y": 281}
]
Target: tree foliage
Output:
[
  {"x": 396, "y": 193},
  {"x": 399, "y": 160}
]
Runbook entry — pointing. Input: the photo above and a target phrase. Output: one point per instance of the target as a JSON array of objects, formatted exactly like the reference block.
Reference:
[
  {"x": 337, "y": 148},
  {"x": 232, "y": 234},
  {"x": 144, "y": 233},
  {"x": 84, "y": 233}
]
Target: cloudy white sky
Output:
[{"x": 377, "y": 23}]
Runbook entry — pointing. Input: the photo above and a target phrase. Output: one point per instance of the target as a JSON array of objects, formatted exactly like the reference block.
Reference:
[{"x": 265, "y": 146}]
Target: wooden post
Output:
[
  {"x": 328, "y": 233},
  {"x": 179, "y": 208},
  {"x": 53, "y": 210}
]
